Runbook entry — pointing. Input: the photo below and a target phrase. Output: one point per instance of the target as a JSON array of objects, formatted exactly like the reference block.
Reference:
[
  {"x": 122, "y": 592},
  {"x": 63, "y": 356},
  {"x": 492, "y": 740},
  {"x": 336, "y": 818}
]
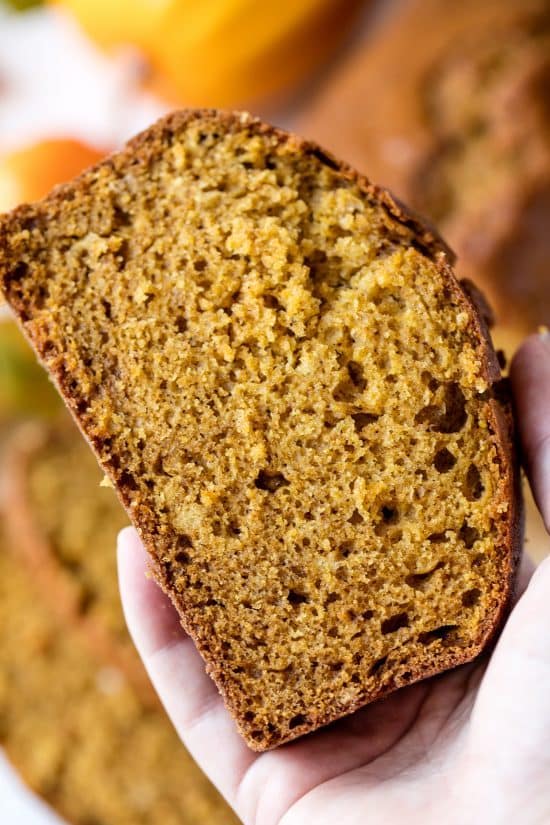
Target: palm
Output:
[{"x": 369, "y": 762}]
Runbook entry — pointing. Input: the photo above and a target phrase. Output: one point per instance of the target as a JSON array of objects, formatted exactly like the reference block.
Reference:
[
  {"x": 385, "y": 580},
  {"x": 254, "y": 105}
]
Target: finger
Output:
[
  {"x": 530, "y": 375},
  {"x": 143, "y": 600},
  {"x": 178, "y": 672},
  {"x": 511, "y": 717},
  {"x": 526, "y": 570}
]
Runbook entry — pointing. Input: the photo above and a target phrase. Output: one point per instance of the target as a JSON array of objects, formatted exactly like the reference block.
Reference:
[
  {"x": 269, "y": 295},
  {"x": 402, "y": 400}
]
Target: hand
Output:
[{"x": 471, "y": 746}]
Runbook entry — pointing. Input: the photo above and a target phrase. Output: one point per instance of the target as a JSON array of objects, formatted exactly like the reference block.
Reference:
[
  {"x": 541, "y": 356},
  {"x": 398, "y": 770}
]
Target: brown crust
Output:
[
  {"x": 504, "y": 429},
  {"x": 479, "y": 300},
  {"x": 144, "y": 148},
  {"x": 29, "y": 545}
]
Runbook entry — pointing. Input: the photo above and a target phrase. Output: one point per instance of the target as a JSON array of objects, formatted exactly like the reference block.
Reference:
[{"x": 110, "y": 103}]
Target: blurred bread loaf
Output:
[
  {"x": 77, "y": 721},
  {"x": 448, "y": 105}
]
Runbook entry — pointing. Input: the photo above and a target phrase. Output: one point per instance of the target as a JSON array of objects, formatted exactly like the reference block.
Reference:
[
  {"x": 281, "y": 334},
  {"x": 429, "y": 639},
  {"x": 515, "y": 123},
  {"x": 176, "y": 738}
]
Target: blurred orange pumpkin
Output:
[
  {"x": 28, "y": 174},
  {"x": 221, "y": 52}
]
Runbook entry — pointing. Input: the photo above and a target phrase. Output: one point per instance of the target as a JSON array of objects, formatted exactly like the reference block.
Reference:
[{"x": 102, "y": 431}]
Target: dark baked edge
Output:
[{"x": 146, "y": 146}]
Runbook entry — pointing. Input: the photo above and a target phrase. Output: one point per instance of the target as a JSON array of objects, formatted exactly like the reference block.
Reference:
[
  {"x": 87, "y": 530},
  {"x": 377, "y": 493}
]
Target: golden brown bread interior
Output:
[
  {"x": 295, "y": 399},
  {"x": 460, "y": 129},
  {"x": 72, "y": 717}
]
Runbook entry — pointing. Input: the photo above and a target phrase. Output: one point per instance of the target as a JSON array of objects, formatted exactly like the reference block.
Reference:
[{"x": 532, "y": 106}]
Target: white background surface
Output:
[
  {"x": 17, "y": 805},
  {"x": 55, "y": 83}
]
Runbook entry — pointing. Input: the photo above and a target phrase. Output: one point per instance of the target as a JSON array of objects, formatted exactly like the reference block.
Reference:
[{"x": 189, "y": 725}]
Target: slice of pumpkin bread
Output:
[{"x": 295, "y": 400}]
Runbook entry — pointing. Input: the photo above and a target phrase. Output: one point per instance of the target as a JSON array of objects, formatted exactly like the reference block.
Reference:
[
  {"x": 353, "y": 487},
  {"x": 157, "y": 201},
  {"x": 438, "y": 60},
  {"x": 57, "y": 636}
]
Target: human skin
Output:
[{"x": 470, "y": 746}]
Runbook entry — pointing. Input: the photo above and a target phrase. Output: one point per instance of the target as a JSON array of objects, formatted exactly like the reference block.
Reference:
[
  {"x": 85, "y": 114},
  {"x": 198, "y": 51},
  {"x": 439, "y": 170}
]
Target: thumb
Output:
[
  {"x": 511, "y": 717},
  {"x": 530, "y": 376}
]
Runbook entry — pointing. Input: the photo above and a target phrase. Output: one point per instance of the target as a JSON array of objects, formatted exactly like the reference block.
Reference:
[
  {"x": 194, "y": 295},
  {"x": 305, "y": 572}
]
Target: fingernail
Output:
[{"x": 544, "y": 333}]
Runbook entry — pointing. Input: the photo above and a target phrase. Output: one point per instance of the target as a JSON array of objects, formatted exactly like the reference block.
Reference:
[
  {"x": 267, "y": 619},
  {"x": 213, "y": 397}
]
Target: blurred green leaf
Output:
[
  {"x": 21, "y": 5},
  {"x": 24, "y": 386}
]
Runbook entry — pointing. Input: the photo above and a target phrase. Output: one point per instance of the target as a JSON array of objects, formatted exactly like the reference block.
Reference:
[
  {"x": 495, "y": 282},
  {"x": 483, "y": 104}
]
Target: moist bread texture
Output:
[
  {"x": 460, "y": 129},
  {"x": 73, "y": 716},
  {"x": 298, "y": 405}
]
